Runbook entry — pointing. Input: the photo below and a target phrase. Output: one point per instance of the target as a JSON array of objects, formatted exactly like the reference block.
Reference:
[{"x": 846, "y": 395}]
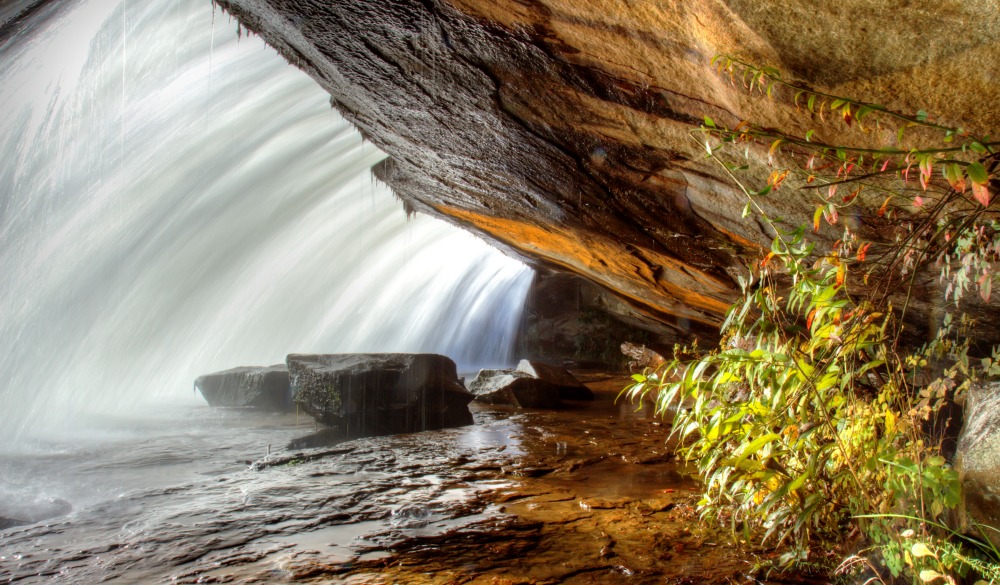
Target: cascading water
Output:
[{"x": 176, "y": 200}]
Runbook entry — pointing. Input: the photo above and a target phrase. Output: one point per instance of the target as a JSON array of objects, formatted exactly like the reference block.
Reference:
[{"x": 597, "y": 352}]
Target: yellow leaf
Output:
[
  {"x": 920, "y": 549},
  {"x": 929, "y": 576}
]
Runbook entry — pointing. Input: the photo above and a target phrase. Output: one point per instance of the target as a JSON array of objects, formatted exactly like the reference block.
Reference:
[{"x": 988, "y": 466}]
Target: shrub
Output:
[{"x": 809, "y": 422}]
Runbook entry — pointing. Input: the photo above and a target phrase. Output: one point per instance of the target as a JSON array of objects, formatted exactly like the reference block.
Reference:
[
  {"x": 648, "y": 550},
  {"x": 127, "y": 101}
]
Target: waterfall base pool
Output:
[{"x": 588, "y": 494}]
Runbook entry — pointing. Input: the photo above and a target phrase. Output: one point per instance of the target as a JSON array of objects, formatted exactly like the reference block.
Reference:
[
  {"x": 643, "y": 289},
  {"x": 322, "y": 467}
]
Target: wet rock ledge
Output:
[{"x": 561, "y": 130}]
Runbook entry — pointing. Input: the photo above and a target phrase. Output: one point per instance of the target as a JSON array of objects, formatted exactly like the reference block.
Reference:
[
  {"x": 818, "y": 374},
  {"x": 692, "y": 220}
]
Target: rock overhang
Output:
[{"x": 562, "y": 131}]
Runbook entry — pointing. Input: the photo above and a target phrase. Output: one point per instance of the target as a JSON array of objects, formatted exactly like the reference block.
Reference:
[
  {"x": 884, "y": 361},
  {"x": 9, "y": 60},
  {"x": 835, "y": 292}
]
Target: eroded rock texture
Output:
[
  {"x": 372, "y": 394},
  {"x": 562, "y": 129}
]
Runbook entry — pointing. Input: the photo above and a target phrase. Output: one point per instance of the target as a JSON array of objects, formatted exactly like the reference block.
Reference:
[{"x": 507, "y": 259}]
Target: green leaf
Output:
[
  {"x": 921, "y": 116},
  {"x": 755, "y": 446},
  {"x": 797, "y": 483},
  {"x": 809, "y": 135},
  {"x": 811, "y": 103},
  {"x": 798, "y": 94},
  {"x": 709, "y": 122},
  {"x": 977, "y": 173}
]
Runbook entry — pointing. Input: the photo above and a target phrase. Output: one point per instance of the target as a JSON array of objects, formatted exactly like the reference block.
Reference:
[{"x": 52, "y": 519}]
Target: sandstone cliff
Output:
[{"x": 561, "y": 129}]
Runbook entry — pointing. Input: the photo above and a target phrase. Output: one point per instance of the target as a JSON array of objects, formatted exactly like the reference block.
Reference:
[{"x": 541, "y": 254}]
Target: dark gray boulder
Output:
[
  {"x": 515, "y": 388},
  {"x": 569, "y": 387},
  {"x": 978, "y": 462},
  {"x": 368, "y": 394},
  {"x": 265, "y": 388}
]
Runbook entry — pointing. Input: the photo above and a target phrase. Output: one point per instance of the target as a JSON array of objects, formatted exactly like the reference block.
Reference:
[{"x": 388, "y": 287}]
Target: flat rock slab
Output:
[
  {"x": 368, "y": 394},
  {"x": 514, "y": 388},
  {"x": 264, "y": 388},
  {"x": 569, "y": 387}
]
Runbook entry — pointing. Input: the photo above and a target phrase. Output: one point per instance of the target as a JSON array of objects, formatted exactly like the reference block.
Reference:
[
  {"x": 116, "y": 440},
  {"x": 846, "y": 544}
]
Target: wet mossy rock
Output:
[
  {"x": 263, "y": 388},
  {"x": 369, "y": 394},
  {"x": 561, "y": 130}
]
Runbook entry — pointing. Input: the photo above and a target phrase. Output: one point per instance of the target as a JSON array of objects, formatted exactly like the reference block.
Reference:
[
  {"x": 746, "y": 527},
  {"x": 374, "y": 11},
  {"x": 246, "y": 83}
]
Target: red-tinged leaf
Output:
[
  {"x": 852, "y": 196},
  {"x": 885, "y": 206},
  {"x": 981, "y": 193},
  {"x": 831, "y": 214},
  {"x": 809, "y": 319},
  {"x": 810, "y": 178},
  {"x": 979, "y": 177},
  {"x": 816, "y": 218},
  {"x": 953, "y": 174},
  {"x": 918, "y": 201},
  {"x": 885, "y": 165},
  {"x": 763, "y": 263},
  {"x": 841, "y": 274},
  {"x": 985, "y": 286},
  {"x": 863, "y": 251},
  {"x": 831, "y": 192},
  {"x": 926, "y": 166},
  {"x": 846, "y": 111}
]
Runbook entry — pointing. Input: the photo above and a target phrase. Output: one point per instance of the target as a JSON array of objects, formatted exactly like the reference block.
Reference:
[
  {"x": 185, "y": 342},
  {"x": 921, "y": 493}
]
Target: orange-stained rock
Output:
[{"x": 564, "y": 130}]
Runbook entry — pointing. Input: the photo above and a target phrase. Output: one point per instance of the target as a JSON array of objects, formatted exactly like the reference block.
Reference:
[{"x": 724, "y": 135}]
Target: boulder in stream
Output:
[
  {"x": 265, "y": 388},
  {"x": 516, "y": 388},
  {"x": 368, "y": 394},
  {"x": 978, "y": 463},
  {"x": 569, "y": 387}
]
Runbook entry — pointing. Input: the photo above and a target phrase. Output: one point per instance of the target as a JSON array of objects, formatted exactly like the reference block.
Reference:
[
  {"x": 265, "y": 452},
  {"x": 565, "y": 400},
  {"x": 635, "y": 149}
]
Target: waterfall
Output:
[{"x": 177, "y": 200}]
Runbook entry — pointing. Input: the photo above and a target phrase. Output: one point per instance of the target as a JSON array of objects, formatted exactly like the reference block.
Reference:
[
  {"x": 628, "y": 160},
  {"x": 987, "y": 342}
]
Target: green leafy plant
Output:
[{"x": 808, "y": 424}]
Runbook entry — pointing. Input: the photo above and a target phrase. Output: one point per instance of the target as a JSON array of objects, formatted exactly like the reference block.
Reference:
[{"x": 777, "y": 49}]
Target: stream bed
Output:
[{"x": 589, "y": 494}]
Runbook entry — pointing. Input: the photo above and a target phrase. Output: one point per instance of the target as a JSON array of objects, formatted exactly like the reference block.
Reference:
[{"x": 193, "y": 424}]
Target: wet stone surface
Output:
[{"x": 591, "y": 494}]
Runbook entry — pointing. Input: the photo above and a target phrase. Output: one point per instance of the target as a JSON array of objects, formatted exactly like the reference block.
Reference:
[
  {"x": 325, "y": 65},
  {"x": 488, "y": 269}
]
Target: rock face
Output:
[
  {"x": 367, "y": 394},
  {"x": 515, "y": 388},
  {"x": 247, "y": 387},
  {"x": 978, "y": 461},
  {"x": 569, "y": 387},
  {"x": 562, "y": 130}
]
